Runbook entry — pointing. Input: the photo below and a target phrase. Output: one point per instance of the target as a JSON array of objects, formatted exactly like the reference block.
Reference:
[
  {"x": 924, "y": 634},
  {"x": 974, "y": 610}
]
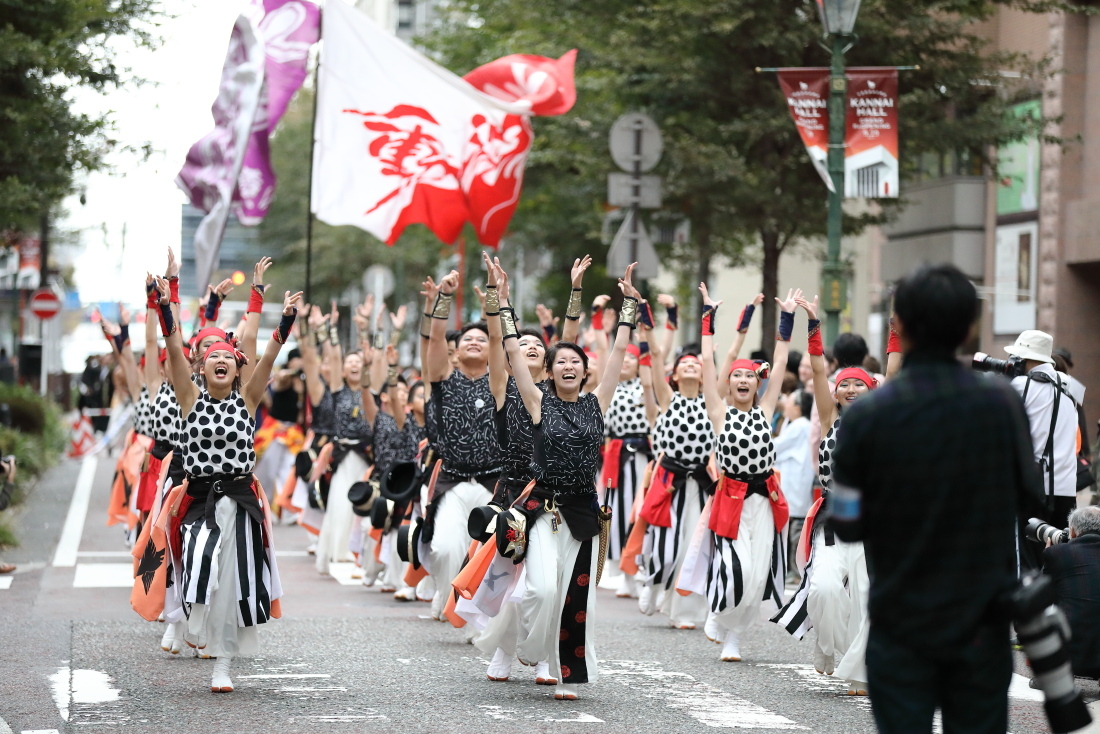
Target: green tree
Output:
[
  {"x": 49, "y": 48},
  {"x": 733, "y": 160}
]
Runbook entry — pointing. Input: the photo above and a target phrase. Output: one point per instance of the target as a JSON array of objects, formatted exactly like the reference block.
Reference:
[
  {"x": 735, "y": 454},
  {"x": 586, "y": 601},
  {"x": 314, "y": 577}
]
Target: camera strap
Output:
[{"x": 1047, "y": 462}]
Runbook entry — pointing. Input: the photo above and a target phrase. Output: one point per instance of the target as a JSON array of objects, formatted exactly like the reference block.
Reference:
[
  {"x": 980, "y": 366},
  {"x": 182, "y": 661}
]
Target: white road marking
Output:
[
  {"x": 40, "y": 731},
  {"x": 810, "y": 679},
  {"x": 342, "y": 573},
  {"x": 283, "y": 675},
  {"x": 300, "y": 689},
  {"x": 1020, "y": 688},
  {"x": 499, "y": 713},
  {"x": 703, "y": 702},
  {"x": 103, "y": 554},
  {"x": 80, "y": 686},
  {"x": 78, "y": 511},
  {"x": 5, "y": 582},
  {"x": 104, "y": 576}
]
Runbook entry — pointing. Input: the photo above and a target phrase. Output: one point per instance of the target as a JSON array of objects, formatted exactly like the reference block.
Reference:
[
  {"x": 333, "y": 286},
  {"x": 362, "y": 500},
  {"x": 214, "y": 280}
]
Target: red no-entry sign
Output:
[{"x": 45, "y": 304}]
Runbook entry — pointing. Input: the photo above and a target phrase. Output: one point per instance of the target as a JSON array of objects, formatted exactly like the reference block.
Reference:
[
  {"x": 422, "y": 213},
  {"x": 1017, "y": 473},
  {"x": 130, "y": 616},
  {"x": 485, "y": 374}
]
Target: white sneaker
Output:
[
  {"x": 645, "y": 601},
  {"x": 437, "y": 605},
  {"x": 627, "y": 588},
  {"x": 407, "y": 593},
  {"x": 731, "y": 649},
  {"x": 857, "y": 688},
  {"x": 220, "y": 682},
  {"x": 311, "y": 549},
  {"x": 542, "y": 675},
  {"x": 823, "y": 663},
  {"x": 563, "y": 692},
  {"x": 170, "y": 642},
  {"x": 501, "y": 667}
]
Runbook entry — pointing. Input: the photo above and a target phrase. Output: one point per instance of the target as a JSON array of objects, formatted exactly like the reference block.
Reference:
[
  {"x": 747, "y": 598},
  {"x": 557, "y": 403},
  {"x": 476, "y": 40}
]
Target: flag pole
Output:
[{"x": 312, "y": 147}]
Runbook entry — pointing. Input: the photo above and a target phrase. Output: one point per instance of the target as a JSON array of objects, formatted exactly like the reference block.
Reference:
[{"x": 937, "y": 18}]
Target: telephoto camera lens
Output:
[
  {"x": 1039, "y": 532},
  {"x": 1011, "y": 367},
  {"x": 1042, "y": 629}
]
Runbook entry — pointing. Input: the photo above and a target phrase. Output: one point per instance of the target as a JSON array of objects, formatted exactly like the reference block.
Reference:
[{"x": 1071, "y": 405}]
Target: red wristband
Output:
[
  {"x": 646, "y": 360},
  {"x": 893, "y": 343},
  {"x": 813, "y": 339},
  {"x": 707, "y": 327},
  {"x": 255, "y": 300},
  {"x": 597, "y": 319},
  {"x": 173, "y": 290}
]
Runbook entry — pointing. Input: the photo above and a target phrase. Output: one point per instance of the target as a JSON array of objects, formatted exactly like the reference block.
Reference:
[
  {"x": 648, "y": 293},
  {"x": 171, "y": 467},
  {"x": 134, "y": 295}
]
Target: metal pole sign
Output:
[{"x": 636, "y": 147}]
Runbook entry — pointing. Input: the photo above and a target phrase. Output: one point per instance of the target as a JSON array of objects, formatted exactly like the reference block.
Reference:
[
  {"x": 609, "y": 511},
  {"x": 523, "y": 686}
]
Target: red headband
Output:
[
  {"x": 849, "y": 373},
  {"x": 225, "y": 347},
  {"x": 209, "y": 331},
  {"x": 757, "y": 367},
  {"x": 162, "y": 355},
  {"x": 633, "y": 349}
]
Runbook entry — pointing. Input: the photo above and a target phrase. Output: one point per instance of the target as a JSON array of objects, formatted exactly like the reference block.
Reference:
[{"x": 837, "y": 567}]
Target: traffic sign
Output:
[
  {"x": 636, "y": 144},
  {"x": 379, "y": 280},
  {"x": 632, "y": 244},
  {"x": 620, "y": 190},
  {"x": 45, "y": 304}
]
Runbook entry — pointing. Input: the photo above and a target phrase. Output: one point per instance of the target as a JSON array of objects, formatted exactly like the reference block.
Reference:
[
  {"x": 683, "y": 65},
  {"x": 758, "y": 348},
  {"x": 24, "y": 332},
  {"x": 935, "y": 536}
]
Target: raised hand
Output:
[
  {"x": 398, "y": 319},
  {"x": 809, "y": 308},
  {"x": 291, "y": 302},
  {"x": 224, "y": 288},
  {"x": 707, "y": 300},
  {"x": 316, "y": 317},
  {"x": 123, "y": 315},
  {"x": 579, "y": 266},
  {"x": 626, "y": 286},
  {"x": 490, "y": 269},
  {"x": 545, "y": 316},
  {"x": 600, "y": 301},
  {"x": 431, "y": 290},
  {"x": 789, "y": 304},
  {"x": 480, "y": 296},
  {"x": 259, "y": 270},
  {"x": 162, "y": 288},
  {"x": 173, "y": 268},
  {"x": 391, "y": 355},
  {"x": 666, "y": 300},
  {"x": 449, "y": 284},
  {"x": 334, "y": 314},
  {"x": 502, "y": 281}
]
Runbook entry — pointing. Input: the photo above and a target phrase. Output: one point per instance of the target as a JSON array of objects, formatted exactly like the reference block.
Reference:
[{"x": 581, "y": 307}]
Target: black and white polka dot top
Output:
[
  {"x": 165, "y": 416},
  {"x": 217, "y": 435},
  {"x": 626, "y": 414},
  {"x": 825, "y": 455},
  {"x": 745, "y": 446},
  {"x": 141, "y": 413},
  {"x": 684, "y": 431}
]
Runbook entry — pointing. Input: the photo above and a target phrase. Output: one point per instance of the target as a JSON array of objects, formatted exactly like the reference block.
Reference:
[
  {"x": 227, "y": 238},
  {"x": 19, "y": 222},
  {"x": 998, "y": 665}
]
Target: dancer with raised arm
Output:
[
  {"x": 222, "y": 559},
  {"x": 747, "y": 514},
  {"x": 552, "y": 530}
]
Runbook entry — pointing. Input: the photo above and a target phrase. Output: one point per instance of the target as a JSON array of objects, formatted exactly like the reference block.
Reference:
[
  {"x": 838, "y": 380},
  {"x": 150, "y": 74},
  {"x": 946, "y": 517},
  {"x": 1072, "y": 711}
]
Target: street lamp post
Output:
[{"x": 839, "y": 18}]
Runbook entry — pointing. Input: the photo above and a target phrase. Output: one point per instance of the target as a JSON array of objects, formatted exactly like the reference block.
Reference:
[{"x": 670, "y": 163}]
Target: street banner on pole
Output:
[
  {"x": 871, "y": 125},
  {"x": 401, "y": 140},
  {"x": 807, "y": 93},
  {"x": 871, "y": 133},
  {"x": 288, "y": 28},
  {"x": 209, "y": 175}
]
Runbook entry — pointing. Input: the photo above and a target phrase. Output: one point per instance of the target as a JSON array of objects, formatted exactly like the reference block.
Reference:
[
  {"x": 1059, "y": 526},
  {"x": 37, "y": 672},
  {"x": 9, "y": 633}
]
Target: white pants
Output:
[
  {"x": 664, "y": 552},
  {"x": 451, "y": 537},
  {"x": 837, "y": 594},
  {"x": 273, "y": 468},
  {"x": 752, "y": 551},
  {"x": 551, "y": 558},
  {"x": 332, "y": 543},
  {"x": 395, "y": 568}
]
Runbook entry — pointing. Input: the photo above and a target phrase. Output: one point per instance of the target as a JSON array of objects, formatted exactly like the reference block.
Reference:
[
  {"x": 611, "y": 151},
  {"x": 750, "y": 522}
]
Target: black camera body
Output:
[
  {"x": 1011, "y": 367},
  {"x": 1038, "y": 531}
]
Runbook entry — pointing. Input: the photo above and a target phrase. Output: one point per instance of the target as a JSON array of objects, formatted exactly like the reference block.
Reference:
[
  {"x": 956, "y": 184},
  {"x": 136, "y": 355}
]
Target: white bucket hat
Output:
[{"x": 1033, "y": 344}]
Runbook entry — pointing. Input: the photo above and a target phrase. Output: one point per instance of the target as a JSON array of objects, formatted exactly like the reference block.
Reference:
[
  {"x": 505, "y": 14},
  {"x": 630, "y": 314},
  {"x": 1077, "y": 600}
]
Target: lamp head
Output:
[{"x": 838, "y": 16}]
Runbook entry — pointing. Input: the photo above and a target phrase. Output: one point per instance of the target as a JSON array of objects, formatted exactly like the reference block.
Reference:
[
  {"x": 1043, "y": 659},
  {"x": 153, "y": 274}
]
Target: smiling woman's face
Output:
[
  {"x": 568, "y": 371},
  {"x": 533, "y": 350},
  {"x": 849, "y": 389},
  {"x": 743, "y": 386},
  {"x": 220, "y": 369}
]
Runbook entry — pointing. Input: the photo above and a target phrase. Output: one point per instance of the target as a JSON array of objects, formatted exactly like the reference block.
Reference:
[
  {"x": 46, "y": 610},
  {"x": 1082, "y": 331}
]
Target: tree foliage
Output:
[{"x": 48, "y": 48}]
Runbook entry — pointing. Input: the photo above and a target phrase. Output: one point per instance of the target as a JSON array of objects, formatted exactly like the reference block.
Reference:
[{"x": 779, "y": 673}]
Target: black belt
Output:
[
  {"x": 577, "y": 504},
  {"x": 508, "y": 489},
  {"x": 682, "y": 472},
  {"x": 758, "y": 483},
  {"x": 488, "y": 478},
  {"x": 826, "y": 528},
  {"x": 160, "y": 449},
  {"x": 210, "y": 489}
]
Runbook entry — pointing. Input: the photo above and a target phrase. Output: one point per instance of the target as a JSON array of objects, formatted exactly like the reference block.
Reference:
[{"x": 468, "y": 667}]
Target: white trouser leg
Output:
[
  {"x": 754, "y": 551},
  {"x": 451, "y": 539},
  {"x": 827, "y": 602},
  {"x": 853, "y": 667},
  {"x": 332, "y": 543}
]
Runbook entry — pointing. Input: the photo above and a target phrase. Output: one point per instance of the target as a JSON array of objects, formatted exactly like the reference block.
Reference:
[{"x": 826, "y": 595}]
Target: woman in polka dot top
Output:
[
  {"x": 747, "y": 514},
  {"x": 684, "y": 441},
  {"x": 225, "y": 581},
  {"x": 832, "y": 598}
]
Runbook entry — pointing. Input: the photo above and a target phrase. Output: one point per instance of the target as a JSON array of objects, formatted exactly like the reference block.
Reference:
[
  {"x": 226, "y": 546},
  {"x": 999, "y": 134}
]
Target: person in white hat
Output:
[{"x": 1051, "y": 407}]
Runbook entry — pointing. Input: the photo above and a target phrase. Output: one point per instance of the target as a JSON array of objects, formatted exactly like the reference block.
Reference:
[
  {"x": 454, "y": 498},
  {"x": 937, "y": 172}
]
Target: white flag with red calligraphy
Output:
[{"x": 401, "y": 140}]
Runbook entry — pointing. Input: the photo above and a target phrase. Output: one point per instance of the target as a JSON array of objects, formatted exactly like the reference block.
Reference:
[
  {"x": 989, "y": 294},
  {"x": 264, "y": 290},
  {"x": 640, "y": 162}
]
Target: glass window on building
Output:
[{"x": 406, "y": 15}]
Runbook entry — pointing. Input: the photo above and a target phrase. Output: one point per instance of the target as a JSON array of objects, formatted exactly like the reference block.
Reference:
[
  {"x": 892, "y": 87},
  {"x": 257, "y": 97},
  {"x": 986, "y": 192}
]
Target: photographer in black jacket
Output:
[
  {"x": 1075, "y": 568},
  {"x": 932, "y": 471}
]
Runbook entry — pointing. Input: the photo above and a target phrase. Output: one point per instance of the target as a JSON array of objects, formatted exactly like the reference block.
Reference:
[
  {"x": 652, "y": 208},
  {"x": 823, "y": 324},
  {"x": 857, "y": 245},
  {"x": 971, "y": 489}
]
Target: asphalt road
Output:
[{"x": 345, "y": 658}]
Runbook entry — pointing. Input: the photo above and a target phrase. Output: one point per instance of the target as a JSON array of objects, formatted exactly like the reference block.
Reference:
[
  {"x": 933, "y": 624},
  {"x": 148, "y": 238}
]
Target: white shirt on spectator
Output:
[
  {"x": 1039, "y": 405},
  {"x": 793, "y": 461}
]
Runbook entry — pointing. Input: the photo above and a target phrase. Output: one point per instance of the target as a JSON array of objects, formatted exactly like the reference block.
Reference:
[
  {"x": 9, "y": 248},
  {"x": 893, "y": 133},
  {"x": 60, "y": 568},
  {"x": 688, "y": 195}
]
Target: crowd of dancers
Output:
[{"x": 501, "y": 479}]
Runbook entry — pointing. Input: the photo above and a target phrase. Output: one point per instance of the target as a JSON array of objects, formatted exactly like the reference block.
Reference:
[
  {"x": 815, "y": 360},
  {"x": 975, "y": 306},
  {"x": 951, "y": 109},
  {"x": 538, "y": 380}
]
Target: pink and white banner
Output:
[
  {"x": 402, "y": 140},
  {"x": 229, "y": 168}
]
